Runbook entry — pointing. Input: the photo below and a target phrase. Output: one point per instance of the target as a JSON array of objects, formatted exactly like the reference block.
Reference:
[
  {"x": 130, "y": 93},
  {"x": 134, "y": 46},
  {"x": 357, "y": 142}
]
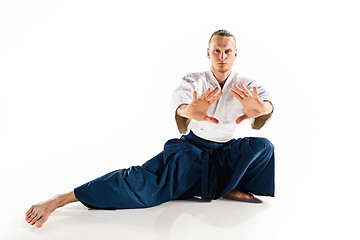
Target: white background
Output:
[{"x": 85, "y": 89}]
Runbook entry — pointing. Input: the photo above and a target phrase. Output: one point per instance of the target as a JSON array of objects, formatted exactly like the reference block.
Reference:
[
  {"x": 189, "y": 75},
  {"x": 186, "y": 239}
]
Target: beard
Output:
[{"x": 223, "y": 70}]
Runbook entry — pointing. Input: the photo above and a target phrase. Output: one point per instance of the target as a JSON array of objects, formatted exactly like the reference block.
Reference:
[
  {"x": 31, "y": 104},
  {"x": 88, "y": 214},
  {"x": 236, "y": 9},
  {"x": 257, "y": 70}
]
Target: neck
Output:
[{"x": 221, "y": 77}]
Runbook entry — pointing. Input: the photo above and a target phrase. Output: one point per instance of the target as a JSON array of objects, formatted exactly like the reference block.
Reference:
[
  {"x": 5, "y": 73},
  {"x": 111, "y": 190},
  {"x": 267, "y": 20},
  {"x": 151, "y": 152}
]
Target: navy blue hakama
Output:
[{"x": 189, "y": 166}]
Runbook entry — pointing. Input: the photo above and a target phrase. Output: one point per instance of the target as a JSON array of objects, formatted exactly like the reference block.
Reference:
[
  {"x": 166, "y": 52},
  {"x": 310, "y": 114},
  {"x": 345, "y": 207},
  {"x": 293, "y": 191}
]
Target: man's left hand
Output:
[{"x": 253, "y": 106}]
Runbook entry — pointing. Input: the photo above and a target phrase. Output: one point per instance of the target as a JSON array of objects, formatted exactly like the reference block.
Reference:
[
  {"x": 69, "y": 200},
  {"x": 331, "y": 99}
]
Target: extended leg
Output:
[{"x": 38, "y": 214}]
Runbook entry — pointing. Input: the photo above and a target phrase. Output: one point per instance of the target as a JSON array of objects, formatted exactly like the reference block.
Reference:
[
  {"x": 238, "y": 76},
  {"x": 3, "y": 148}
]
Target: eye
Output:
[
  {"x": 217, "y": 50},
  {"x": 227, "y": 51}
]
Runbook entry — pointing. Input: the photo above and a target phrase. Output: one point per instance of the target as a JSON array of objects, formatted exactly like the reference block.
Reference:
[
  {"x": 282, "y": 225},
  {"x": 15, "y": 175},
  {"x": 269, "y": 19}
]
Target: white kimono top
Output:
[{"x": 227, "y": 109}]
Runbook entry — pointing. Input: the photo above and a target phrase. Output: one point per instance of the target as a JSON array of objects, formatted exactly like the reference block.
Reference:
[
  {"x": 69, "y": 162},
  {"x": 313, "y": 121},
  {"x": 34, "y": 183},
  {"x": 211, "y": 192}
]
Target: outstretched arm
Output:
[
  {"x": 254, "y": 108},
  {"x": 197, "y": 109}
]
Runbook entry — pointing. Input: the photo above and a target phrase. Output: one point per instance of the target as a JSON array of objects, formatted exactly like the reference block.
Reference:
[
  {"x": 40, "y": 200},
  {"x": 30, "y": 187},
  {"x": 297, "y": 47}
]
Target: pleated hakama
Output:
[{"x": 189, "y": 166}]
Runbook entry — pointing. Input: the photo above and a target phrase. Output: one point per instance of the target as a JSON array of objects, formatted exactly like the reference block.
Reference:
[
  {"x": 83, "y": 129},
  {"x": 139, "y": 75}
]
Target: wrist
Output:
[
  {"x": 268, "y": 108},
  {"x": 181, "y": 110}
]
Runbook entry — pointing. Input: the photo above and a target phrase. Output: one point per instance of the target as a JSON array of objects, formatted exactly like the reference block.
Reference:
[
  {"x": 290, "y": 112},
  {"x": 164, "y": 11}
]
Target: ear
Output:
[
  {"x": 208, "y": 53},
  {"x": 235, "y": 53}
]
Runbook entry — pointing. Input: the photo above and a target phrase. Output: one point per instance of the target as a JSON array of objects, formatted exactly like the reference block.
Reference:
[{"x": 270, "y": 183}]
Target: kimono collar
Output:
[{"x": 214, "y": 80}]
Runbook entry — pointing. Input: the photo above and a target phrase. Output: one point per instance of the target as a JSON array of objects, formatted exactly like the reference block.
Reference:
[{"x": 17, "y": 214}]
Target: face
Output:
[{"x": 222, "y": 53}]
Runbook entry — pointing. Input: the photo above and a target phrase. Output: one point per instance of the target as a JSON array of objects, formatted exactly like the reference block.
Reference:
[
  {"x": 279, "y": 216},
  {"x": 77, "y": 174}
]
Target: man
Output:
[{"x": 205, "y": 161}]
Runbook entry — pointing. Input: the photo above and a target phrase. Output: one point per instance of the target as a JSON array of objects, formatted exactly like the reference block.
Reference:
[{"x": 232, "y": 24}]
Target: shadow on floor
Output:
[{"x": 156, "y": 222}]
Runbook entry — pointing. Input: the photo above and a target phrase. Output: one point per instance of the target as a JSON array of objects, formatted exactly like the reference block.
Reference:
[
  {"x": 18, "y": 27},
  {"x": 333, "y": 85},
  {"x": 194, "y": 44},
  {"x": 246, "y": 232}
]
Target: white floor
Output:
[{"x": 279, "y": 218}]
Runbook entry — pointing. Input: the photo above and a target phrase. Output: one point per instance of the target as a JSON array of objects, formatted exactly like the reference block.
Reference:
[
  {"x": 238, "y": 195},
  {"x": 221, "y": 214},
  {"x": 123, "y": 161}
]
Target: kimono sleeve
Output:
[{"x": 183, "y": 94}]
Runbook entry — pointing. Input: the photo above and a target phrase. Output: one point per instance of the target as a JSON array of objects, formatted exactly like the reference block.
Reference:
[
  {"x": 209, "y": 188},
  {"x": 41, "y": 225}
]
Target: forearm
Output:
[
  {"x": 260, "y": 121},
  {"x": 182, "y": 121},
  {"x": 180, "y": 111}
]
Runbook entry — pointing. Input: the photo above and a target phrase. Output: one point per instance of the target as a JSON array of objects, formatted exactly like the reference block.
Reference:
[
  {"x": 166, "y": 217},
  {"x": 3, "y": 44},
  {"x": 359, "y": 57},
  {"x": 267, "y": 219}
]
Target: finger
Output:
[
  {"x": 205, "y": 94},
  {"x": 255, "y": 92},
  {"x": 212, "y": 93},
  {"x": 236, "y": 87},
  {"x": 211, "y": 119},
  {"x": 246, "y": 91},
  {"x": 236, "y": 94},
  {"x": 239, "y": 91},
  {"x": 240, "y": 119},
  {"x": 194, "y": 96},
  {"x": 216, "y": 97}
]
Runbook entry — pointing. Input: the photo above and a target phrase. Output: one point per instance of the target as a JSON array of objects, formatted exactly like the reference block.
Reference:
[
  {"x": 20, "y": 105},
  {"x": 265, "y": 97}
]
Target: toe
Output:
[
  {"x": 249, "y": 196},
  {"x": 30, "y": 218},
  {"x": 246, "y": 195},
  {"x": 29, "y": 211},
  {"x": 34, "y": 220},
  {"x": 39, "y": 223}
]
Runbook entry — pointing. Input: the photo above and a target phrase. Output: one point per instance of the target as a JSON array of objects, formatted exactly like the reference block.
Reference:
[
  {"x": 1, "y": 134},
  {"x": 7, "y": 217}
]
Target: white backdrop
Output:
[{"x": 85, "y": 89}]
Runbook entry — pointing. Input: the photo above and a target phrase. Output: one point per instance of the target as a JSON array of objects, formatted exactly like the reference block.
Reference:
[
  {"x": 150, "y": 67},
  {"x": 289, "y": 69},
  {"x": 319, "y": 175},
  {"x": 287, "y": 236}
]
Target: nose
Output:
[{"x": 222, "y": 55}]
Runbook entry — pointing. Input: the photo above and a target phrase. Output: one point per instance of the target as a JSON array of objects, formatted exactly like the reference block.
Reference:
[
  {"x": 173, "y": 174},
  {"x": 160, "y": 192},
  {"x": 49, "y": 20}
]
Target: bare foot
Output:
[
  {"x": 39, "y": 213},
  {"x": 238, "y": 195}
]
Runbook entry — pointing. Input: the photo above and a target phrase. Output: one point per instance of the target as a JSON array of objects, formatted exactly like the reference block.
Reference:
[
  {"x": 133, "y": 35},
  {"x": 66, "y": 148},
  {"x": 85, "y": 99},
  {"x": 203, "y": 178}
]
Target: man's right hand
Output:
[{"x": 199, "y": 107}]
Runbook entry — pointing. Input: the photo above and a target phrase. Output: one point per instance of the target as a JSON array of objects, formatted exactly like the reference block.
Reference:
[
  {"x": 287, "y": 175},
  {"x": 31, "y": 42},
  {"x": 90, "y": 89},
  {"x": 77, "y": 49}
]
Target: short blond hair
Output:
[{"x": 222, "y": 33}]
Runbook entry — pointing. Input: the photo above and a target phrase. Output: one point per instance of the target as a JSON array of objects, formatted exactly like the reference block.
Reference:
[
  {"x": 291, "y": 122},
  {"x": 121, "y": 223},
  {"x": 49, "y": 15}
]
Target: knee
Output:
[{"x": 260, "y": 143}]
